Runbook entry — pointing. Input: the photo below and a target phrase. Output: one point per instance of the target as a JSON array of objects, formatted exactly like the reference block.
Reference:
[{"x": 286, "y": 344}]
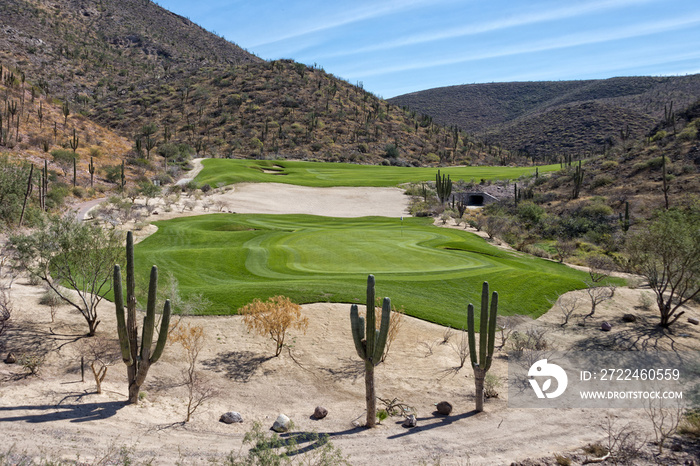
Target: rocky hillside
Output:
[
  {"x": 154, "y": 77},
  {"x": 544, "y": 120}
]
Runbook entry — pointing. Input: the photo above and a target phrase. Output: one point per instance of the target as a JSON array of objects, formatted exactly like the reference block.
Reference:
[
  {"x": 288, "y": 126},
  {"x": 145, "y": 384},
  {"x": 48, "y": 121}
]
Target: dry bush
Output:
[
  {"x": 664, "y": 419},
  {"x": 52, "y": 299},
  {"x": 624, "y": 443},
  {"x": 273, "y": 317},
  {"x": 100, "y": 354},
  {"x": 199, "y": 389},
  {"x": 567, "y": 306},
  {"x": 461, "y": 347},
  {"x": 32, "y": 361},
  {"x": 446, "y": 335},
  {"x": 395, "y": 323},
  {"x": 5, "y": 310}
]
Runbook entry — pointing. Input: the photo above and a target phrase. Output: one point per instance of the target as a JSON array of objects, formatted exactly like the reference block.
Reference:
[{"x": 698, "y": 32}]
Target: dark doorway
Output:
[{"x": 475, "y": 200}]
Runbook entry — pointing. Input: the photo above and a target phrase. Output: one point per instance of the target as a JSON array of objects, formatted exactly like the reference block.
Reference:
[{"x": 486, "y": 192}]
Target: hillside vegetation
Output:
[{"x": 545, "y": 120}]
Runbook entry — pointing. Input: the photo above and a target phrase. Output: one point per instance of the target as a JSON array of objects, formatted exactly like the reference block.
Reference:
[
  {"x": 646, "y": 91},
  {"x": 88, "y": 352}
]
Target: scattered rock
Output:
[
  {"x": 231, "y": 417},
  {"x": 605, "y": 326},
  {"x": 10, "y": 359},
  {"x": 693, "y": 320},
  {"x": 444, "y": 408},
  {"x": 281, "y": 423},
  {"x": 320, "y": 412},
  {"x": 155, "y": 212},
  {"x": 410, "y": 421},
  {"x": 629, "y": 318}
]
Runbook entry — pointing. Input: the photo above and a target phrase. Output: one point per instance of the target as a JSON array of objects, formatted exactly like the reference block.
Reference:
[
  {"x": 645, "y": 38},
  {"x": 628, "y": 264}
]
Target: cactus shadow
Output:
[
  {"x": 237, "y": 365},
  {"x": 73, "y": 412},
  {"x": 438, "y": 420}
]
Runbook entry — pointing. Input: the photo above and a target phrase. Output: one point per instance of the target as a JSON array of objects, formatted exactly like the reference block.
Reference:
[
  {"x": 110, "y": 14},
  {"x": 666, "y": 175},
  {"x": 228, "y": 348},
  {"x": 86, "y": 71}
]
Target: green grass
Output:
[
  {"x": 432, "y": 272},
  {"x": 221, "y": 172}
]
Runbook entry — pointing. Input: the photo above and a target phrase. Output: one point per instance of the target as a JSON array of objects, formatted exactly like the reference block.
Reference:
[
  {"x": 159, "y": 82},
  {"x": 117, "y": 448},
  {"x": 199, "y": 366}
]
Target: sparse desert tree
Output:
[
  {"x": 74, "y": 259},
  {"x": 664, "y": 419},
  {"x": 599, "y": 269},
  {"x": 461, "y": 347},
  {"x": 100, "y": 353},
  {"x": 192, "y": 338},
  {"x": 221, "y": 204},
  {"x": 667, "y": 254},
  {"x": 274, "y": 317},
  {"x": 567, "y": 305}
]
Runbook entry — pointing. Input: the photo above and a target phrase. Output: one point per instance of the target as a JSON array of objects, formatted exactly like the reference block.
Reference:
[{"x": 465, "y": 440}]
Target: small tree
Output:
[
  {"x": 192, "y": 338},
  {"x": 100, "y": 355},
  {"x": 74, "y": 259},
  {"x": 273, "y": 317},
  {"x": 667, "y": 254}
]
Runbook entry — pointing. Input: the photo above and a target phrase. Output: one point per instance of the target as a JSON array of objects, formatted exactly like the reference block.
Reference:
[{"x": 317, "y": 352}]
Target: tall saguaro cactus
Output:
[
  {"x": 370, "y": 344},
  {"x": 443, "y": 186},
  {"x": 481, "y": 362},
  {"x": 138, "y": 362}
]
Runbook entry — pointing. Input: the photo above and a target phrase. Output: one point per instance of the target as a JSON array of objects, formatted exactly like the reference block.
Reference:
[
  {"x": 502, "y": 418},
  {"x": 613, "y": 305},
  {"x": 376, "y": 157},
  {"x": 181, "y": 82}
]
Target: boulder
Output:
[
  {"x": 10, "y": 359},
  {"x": 231, "y": 417},
  {"x": 320, "y": 412},
  {"x": 410, "y": 421},
  {"x": 444, "y": 408},
  {"x": 605, "y": 326},
  {"x": 281, "y": 424},
  {"x": 629, "y": 318},
  {"x": 693, "y": 320}
]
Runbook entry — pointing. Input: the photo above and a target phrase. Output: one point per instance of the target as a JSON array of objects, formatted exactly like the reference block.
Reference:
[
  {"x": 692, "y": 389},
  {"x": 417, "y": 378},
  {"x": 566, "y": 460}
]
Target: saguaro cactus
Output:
[
  {"x": 578, "y": 181},
  {"x": 443, "y": 186},
  {"x": 138, "y": 362},
  {"x": 370, "y": 344},
  {"x": 481, "y": 362}
]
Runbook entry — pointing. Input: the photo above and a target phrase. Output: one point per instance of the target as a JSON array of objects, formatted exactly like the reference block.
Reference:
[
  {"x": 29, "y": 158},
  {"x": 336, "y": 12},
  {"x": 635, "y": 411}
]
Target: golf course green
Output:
[
  {"x": 432, "y": 273},
  {"x": 222, "y": 172}
]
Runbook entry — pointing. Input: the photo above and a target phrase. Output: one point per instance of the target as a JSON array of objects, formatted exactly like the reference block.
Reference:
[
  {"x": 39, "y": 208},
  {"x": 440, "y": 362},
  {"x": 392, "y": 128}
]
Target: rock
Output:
[
  {"x": 320, "y": 412},
  {"x": 281, "y": 423},
  {"x": 629, "y": 318},
  {"x": 231, "y": 417},
  {"x": 444, "y": 408},
  {"x": 605, "y": 326},
  {"x": 410, "y": 421},
  {"x": 10, "y": 359},
  {"x": 693, "y": 320},
  {"x": 155, "y": 212}
]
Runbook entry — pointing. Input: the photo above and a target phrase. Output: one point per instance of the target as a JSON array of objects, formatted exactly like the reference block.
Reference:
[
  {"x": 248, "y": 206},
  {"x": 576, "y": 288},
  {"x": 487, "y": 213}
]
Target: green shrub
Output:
[
  {"x": 601, "y": 180},
  {"x": 609, "y": 165},
  {"x": 689, "y": 133},
  {"x": 659, "y": 135}
]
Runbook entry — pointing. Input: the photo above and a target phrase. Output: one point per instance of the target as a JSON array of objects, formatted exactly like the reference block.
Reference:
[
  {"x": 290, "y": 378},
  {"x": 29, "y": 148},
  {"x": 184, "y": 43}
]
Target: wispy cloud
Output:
[
  {"x": 492, "y": 26},
  {"x": 363, "y": 13},
  {"x": 573, "y": 40}
]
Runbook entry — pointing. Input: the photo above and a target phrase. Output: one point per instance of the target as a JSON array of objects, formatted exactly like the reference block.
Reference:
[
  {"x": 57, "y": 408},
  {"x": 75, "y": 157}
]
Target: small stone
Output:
[
  {"x": 444, "y": 408},
  {"x": 605, "y": 326},
  {"x": 155, "y": 212},
  {"x": 694, "y": 320},
  {"x": 629, "y": 318},
  {"x": 231, "y": 417},
  {"x": 281, "y": 423},
  {"x": 10, "y": 359},
  {"x": 410, "y": 421},
  {"x": 320, "y": 412}
]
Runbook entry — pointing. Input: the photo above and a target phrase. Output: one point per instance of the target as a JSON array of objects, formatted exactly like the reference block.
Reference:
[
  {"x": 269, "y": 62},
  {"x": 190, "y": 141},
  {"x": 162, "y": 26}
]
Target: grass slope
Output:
[
  {"x": 432, "y": 272},
  {"x": 221, "y": 172}
]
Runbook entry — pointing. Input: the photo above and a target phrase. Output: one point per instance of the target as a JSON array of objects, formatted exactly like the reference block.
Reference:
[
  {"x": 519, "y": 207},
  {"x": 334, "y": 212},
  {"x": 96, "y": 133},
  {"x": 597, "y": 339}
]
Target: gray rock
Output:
[
  {"x": 444, "y": 408},
  {"x": 629, "y": 318},
  {"x": 281, "y": 423},
  {"x": 605, "y": 326},
  {"x": 320, "y": 412},
  {"x": 410, "y": 421},
  {"x": 231, "y": 417},
  {"x": 693, "y": 320}
]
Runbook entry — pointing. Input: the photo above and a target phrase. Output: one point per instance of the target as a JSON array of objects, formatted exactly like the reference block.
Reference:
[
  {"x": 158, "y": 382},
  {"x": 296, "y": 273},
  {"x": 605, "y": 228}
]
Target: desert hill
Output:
[{"x": 546, "y": 119}]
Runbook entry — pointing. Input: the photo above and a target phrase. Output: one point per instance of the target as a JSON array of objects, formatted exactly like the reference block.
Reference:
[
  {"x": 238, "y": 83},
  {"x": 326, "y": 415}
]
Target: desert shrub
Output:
[
  {"x": 5, "y": 310},
  {"x": 609, "y": 165},
  {"x": 192, "y": 338},
  {"x": 601, "y": 180},
  {"x": 659, "y": 135},
  {"x": 689, "y": 133},
  {"x": 491, "y": 385},
  {"x": 532, "y": 339},
  {"x": 690, "y": 424},
  {"x": 274, "y": 317},
  {"x": 32, "y": 362}
]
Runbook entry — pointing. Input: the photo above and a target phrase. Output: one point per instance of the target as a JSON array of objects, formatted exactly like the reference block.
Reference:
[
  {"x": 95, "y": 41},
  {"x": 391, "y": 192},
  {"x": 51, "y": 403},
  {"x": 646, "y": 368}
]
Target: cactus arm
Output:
[
  {"x": 371, "y": 328},
  {"x": 483, "y": 324},
  {"x": 121, "y": 322},
  {"x": 163, "y": 334},
  {"x": 149, "y": 321},
  {"x": 470, "y": 332},
  {"x": 383, "y": 331},
  {"x": 492, "y": 330},
  {"x": 357, "y": 325}
]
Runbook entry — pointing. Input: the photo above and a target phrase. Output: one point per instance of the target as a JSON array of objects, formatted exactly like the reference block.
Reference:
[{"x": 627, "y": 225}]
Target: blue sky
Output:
[{"x": 398, "y": 46}]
